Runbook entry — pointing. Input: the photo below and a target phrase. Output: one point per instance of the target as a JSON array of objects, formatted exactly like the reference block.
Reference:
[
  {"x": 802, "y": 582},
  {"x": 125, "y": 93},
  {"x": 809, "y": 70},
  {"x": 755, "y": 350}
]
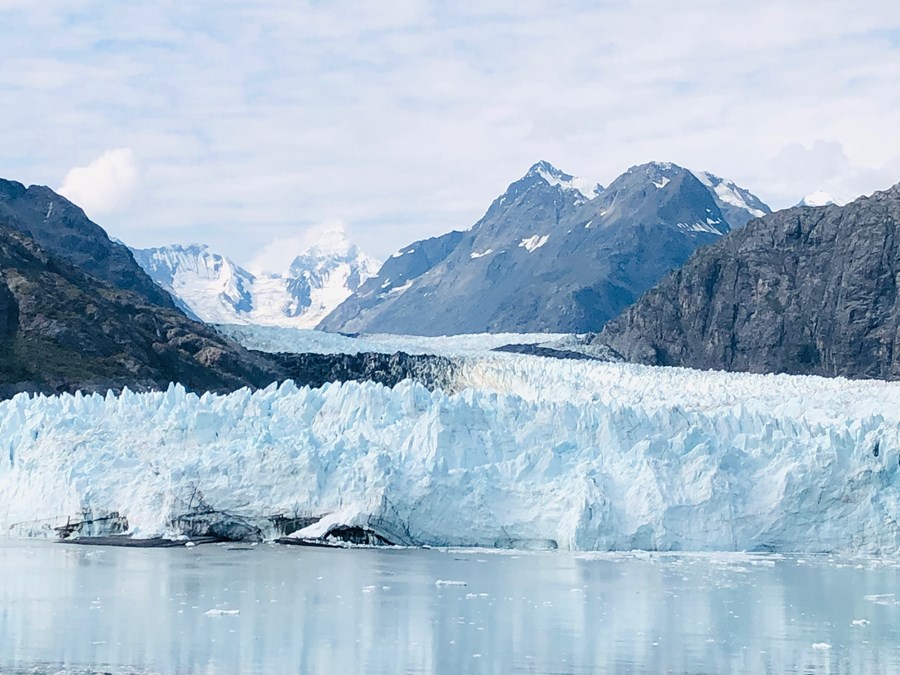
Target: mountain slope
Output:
[
  {"x": 395, "y": 276},
  {"x": 550, "y": 255},
  {"x": 216, "y": 290},
  {"x": 62, "y": 230},
  {"x": 737, "y": 204},
  {"x": 62, "y": 329},
  {"x": 204, "y": 284},
  {"x": 805, "y": 290}
]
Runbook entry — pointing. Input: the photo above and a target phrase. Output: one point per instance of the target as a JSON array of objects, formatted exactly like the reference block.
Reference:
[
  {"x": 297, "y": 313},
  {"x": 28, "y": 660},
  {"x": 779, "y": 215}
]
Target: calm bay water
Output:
[{"x": 270, "y": 609}]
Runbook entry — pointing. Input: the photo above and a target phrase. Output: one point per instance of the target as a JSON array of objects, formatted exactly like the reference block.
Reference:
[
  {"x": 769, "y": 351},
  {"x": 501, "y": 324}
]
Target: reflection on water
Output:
[{"x": 73, "y": 609}]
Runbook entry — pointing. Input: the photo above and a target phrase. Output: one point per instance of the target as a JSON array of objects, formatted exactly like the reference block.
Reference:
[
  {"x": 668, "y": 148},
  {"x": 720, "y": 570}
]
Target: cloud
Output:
[
  {"x": 252, "y": 119},
  {"x": 824, "y": 165},
  {"x": 276, "y": 256},
  {"x": 104, "y": 185}
]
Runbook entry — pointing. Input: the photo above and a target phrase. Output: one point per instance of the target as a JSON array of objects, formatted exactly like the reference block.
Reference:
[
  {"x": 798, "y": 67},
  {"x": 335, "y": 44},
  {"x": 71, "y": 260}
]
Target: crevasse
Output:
[{"x": 531, "y": 451}]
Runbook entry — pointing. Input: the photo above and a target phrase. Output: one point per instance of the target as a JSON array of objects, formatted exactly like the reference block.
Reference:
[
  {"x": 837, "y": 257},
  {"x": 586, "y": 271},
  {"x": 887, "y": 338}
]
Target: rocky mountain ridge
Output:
[
  {"x": 807, "y": 290},
  {"x": 550, "y": 255},
  {"x": 62, "y": 329},
  {"x": 63, "y": 230}
]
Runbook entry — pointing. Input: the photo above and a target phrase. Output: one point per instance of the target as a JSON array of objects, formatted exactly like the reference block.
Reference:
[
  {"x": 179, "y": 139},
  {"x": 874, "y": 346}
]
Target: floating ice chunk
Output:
[
  {"x": 223, "y": 612},
  {"x": 821, "y": 646},
  {"x": 884, "y": 599},
  {"x": 859, "y": 622},
  {"x": 449, "y": 582}
]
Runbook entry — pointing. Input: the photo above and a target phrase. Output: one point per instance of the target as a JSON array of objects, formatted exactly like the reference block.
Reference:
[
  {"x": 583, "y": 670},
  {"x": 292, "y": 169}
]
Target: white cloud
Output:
[
  {"x": 104, "y": 185},
  {"x": 824, "y": 166},
  {"x": 276, "y": 256},
  {"x": 406, "y": 121}
]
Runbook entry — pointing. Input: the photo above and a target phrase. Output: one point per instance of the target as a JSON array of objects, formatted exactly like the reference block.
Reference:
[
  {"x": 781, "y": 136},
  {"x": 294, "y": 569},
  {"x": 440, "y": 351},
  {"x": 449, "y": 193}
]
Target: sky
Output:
[{"x": 252, "y": 125}]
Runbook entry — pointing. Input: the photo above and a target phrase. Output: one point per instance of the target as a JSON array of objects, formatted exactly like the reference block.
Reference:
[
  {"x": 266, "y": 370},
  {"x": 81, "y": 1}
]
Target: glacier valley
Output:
[{"x": 521, "y": 452}]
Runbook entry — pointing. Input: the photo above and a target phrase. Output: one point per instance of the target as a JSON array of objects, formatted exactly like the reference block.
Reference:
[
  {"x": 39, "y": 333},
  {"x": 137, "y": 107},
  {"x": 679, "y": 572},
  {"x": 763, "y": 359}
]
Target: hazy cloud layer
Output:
[{"x": 253, "y": 120}]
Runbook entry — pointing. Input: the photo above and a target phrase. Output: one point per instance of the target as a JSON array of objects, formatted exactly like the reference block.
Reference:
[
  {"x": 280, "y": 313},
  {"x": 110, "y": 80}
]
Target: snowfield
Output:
[
  {"x": 299, "y": 340},
  {"x": 532, "y": 453}
]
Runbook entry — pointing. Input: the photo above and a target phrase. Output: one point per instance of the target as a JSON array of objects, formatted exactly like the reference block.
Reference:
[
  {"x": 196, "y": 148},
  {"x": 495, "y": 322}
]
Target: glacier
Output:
[
  {"x": 522, "y": 452},
  {"x": 303, "y": 340}
]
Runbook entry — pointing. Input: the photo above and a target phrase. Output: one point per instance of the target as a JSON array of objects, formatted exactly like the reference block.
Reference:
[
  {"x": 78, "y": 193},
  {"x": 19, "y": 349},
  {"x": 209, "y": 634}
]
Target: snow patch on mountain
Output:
[
  {"x": 216, "y": 290},
  {"x": 820, "y": 198},
  {"x": 533, "y": 450},
  {"x": 534, "y": 242},
  {"x": 730, "y": 193},
  {"x": 553, "y": 176}
]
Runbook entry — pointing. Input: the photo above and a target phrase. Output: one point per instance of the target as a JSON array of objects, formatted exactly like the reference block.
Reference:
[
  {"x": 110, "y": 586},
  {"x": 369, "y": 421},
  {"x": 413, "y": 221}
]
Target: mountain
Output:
[
  {"x": 215, "y": 289},
  {"x": 395, "y": 276},
  {"x": 737, "y": 204},
  {"x": 62, "y": 329},
  {"x": 205, "y": 285},
  {"x": 552, "y": 254},
  {"x": 62, "y": 230},
  {"x": 819, "y": 198},
  {"x": 804, "y": 290}
]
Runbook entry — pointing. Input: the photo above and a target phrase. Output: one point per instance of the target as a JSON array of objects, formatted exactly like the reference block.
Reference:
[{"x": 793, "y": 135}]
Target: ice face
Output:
[{"x": 532, "y": 453}]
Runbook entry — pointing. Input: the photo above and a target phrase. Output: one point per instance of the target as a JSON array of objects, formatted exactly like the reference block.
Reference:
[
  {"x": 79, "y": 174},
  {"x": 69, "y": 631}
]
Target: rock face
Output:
[
  {"x": 62, "y": 329},
  {"x": 63, "y": 231},
  {"x": 805, "y": 290},
  {"x": 215, "y": 289},
  {"x": 552, "y": 254},
  {"x": 395, "y": 276},
  {"x": 314, "y": 370}
]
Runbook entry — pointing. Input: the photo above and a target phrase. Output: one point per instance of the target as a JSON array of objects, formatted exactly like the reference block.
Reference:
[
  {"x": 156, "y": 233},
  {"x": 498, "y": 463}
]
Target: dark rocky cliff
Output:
[
  {"x": 805, "y": 290},
  {"x": 62, "y": 230},
  {"x": 314, "y": 370},
  {"x": 62, "y": 329}
]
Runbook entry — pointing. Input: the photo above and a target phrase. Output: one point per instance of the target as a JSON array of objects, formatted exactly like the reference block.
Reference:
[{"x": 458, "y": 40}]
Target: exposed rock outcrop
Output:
[{"x": 805, "y": 290}]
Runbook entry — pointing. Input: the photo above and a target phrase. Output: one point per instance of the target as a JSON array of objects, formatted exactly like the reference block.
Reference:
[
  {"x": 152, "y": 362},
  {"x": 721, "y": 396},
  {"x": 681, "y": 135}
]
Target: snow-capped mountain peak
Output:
[
  {"x": 738, "y": 204},
  {"x": 333, "y": 240},
  {"x": 820, "y": 198},
  {"x": 554, "y": 176},
  {"x": 206, "y": 285},
  {"x": 215, "y": 289}
]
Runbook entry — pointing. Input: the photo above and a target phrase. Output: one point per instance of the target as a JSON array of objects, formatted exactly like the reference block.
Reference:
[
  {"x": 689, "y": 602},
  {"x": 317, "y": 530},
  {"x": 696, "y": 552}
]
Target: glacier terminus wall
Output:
[{"x": 529, "y": 452}]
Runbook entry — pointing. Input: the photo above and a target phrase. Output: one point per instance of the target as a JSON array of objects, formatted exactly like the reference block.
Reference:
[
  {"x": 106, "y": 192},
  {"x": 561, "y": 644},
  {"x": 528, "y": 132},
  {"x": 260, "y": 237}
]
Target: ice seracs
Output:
[
  {"x": 214, "y": 289},
  {"x": 532, "y": 452}
]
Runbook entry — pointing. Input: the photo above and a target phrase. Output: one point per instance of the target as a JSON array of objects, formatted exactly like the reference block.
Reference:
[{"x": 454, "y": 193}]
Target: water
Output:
[{"x": 72, "y": 609}]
